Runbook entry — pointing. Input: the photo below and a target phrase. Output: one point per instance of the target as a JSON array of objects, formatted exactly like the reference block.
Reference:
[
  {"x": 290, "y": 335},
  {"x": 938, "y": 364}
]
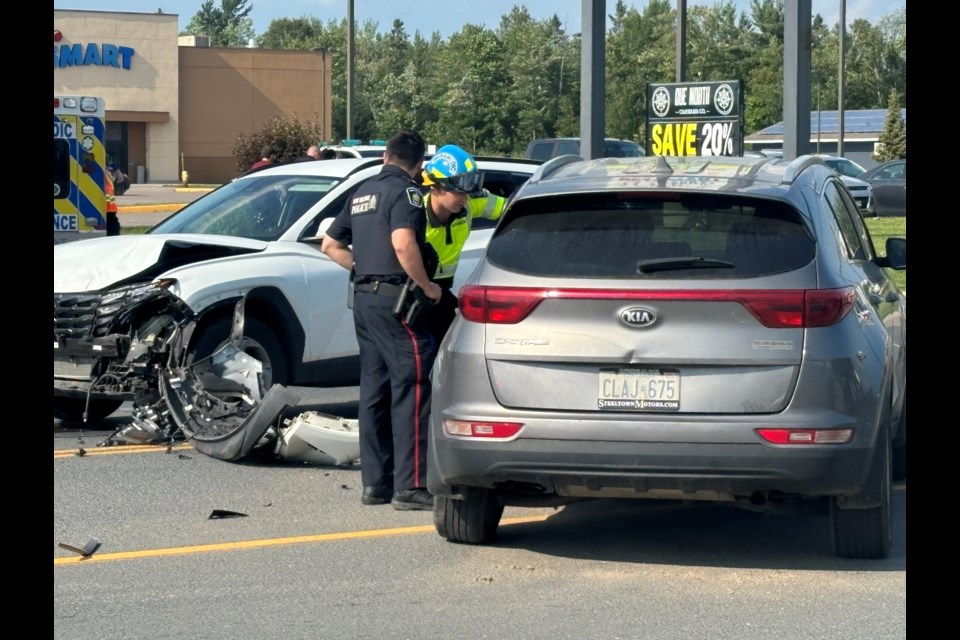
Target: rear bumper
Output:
[{"x": 584, "y": 468}]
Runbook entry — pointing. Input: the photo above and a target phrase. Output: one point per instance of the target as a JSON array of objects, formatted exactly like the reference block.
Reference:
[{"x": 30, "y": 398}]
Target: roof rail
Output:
[
  {"x": 528, "y": 161},
  {"x": 551, "y": 166},
  {"x": 799, "y": 164},
  {"x": 367, "y": 163}
]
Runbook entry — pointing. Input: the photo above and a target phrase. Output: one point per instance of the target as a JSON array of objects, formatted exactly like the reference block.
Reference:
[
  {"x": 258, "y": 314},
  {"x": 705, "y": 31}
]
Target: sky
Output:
[{"x": 427, "y": 17}]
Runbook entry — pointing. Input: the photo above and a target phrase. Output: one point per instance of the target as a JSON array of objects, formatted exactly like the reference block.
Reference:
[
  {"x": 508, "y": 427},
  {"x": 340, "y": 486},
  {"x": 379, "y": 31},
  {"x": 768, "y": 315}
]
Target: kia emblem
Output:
[{"x": 638, "y": 317}]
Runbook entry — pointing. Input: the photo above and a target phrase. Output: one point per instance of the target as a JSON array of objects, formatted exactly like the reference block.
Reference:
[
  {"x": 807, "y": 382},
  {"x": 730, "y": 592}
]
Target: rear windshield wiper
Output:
[{"x": 686, "y": 262}]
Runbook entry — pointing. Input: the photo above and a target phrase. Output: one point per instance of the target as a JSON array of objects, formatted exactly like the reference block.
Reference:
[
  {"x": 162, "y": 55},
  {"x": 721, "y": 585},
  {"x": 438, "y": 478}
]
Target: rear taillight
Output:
[
  {"x": 479, "y": 429},
  {"x": 806, "y": 436},
  {"x": 499, "y": 305},
  {"x": 775, "y": 308}
]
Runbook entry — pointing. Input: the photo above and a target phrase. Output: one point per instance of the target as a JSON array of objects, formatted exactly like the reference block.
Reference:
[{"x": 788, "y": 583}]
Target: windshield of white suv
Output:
[{"x": 258, "y": 207}]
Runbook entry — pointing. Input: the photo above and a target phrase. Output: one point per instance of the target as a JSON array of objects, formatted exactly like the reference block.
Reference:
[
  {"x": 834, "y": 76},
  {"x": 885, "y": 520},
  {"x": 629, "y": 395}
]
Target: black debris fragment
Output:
[
  {"x": 80, "y": 452},
  {"x": 86, "y": 550},
  {"x": 217, "y": 514},
  {"x": 344, "y": 486},
  {"x": 183, "y": 456}
]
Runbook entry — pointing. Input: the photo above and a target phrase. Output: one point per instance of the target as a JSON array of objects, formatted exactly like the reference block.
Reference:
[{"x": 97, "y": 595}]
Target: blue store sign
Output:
[{"x": 103, "y": 54}]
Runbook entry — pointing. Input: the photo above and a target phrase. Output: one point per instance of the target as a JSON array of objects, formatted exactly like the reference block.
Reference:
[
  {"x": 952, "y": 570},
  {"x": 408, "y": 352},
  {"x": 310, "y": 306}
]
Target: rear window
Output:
[
  {"x": 621, "y": 149},
  {"x": 541, "y": 151},
  {"x": 691, "y": 237}
]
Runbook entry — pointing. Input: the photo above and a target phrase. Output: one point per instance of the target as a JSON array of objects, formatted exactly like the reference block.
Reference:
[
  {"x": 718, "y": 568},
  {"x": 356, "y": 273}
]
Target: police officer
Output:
[
  {"x": 455, "y": 198},
  {"x": 385, "y": 223}
]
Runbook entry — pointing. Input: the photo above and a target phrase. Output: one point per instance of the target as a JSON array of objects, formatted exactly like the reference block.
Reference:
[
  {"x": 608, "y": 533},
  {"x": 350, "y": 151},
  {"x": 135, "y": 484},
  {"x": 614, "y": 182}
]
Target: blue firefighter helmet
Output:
[{"x": 453, "y": 169}]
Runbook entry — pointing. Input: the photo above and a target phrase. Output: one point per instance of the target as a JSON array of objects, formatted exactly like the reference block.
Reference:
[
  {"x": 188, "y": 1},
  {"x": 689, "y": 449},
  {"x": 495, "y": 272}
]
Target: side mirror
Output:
[
  {"x": 323, "y": 226},
  {"x": 317, "y": 238},
  {"x": 896, "y": 254}
]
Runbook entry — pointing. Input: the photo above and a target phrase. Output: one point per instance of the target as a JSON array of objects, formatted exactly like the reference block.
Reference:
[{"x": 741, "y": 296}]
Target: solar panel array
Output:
[{"x": 854, "y": 121}]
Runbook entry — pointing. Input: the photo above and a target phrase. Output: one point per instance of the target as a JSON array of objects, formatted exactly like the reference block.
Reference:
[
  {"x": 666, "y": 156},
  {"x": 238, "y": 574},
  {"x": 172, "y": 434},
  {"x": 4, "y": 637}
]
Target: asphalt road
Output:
[{"x": 309, "y": 561}]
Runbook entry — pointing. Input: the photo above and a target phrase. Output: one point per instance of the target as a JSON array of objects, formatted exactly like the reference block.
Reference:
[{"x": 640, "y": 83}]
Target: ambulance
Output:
[{"x": 79, "y": 168}]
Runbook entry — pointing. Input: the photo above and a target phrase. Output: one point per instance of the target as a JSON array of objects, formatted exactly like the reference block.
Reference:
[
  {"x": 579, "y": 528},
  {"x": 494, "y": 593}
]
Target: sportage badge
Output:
[{"x": 637, "y": 317}]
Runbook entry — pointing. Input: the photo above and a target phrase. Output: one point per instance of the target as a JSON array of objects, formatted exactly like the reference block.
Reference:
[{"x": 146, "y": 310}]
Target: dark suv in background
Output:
[
  {"x": 716, "y": 329},
  {"x": 552, "y": 147}
]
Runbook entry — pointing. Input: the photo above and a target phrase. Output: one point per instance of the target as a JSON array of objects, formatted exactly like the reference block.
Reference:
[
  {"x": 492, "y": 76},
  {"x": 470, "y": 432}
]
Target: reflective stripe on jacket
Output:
[
  {"x": 111, "y": 199},
  {"x": 448, "y": 239}
]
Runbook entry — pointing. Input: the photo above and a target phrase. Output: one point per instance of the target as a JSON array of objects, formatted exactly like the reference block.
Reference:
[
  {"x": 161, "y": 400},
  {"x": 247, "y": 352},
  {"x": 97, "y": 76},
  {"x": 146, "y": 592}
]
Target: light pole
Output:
[{"x": 350, "y": 54}]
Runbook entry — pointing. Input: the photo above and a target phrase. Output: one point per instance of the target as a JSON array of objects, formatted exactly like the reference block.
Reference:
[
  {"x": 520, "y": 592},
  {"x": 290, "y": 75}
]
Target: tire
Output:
[
  {"x": 71, "y": 409},
  {"x": 900, "y": 447},
  {"x": 259, "y": 341},
  {"x": 866, "y": 533},
  {"x": 473, "y": 520}
]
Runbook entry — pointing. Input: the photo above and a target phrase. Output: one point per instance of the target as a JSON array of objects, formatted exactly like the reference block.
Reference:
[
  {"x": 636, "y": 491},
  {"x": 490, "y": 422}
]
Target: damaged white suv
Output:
[{"x": 116, "y": 300}]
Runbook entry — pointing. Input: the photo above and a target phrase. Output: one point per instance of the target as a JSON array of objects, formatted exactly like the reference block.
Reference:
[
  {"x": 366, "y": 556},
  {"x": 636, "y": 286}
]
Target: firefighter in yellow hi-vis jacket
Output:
[{"x": 455, "y": 198}]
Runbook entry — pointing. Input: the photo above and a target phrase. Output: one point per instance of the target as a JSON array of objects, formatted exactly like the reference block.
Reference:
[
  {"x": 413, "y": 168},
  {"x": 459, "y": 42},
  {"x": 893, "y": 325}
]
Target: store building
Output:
[{"x": 175, "y": 104}]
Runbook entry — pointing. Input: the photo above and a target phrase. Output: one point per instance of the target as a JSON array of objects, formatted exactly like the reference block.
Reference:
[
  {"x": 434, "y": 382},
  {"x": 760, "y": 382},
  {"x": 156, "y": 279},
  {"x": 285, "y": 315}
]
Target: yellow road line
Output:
[
  {"x": 270, "y": 542},
  {"x": 130, "y": 448}
]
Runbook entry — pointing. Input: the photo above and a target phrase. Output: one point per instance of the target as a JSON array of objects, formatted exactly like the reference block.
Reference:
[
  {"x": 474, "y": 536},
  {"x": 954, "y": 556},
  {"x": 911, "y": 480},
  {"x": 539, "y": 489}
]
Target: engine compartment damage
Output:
[{"x": 220, "y": 404}]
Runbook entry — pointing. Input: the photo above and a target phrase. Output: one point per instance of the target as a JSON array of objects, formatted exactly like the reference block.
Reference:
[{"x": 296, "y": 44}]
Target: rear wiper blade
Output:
[{"x": 685, "y": 262}]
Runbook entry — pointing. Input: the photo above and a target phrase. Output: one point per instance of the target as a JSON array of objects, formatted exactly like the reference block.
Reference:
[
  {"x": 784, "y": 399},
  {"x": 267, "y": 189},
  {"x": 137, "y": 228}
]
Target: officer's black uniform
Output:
[{"x": 395, "y": 358}]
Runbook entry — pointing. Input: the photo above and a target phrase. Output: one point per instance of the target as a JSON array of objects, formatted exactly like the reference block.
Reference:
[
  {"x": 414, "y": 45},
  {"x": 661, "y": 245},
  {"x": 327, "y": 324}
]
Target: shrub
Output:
[{"x": 289, "y": 138}]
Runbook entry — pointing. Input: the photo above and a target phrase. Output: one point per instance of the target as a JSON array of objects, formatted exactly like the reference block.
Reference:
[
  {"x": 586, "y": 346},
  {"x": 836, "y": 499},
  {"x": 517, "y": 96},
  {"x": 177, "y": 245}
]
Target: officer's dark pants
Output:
[
  {"x": 395, "y": 363},
  {"x": 113, "y": 224},
  {"x": 442, "y": 314}
]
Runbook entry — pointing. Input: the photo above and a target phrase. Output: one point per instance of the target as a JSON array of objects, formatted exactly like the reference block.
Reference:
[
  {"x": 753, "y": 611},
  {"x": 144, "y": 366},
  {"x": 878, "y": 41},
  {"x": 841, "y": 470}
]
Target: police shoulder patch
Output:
[{"x": 414, "y": 196}]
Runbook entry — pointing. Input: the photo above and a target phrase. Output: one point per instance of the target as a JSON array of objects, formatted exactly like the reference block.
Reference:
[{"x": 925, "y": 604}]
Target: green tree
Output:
[
  {"x": 893, "y": 138},
  {"x": 292, "y": 33},
  {"x": 228, "y": 25},
  {"x": 717, "y": 49},
  {"x": 288, "y": 137},
  {"x": 539, "y": 92},
  {"x": 763, "y": 76},
  {"x": 640, "y": 49},
  {"x": 469, "y": 109}
]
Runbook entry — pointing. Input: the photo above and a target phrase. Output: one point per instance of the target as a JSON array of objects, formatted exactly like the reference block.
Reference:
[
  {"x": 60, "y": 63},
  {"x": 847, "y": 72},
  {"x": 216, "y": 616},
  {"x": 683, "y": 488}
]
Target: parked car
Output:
[
  {"x": 861, "y": 191},
  {"x": 717, "y": 329},
  {"x": 552, "y": 147},
  {"x": 889, "y": 184},
  {"x": 843, "y": 166},
  {"x": 116, "y": 298},
  {"x": 361, "y": 151}
]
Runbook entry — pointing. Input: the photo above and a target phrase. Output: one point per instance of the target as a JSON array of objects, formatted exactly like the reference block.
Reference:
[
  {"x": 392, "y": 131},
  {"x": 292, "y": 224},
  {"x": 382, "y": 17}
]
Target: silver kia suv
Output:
[{"x": 718, "y": 329}]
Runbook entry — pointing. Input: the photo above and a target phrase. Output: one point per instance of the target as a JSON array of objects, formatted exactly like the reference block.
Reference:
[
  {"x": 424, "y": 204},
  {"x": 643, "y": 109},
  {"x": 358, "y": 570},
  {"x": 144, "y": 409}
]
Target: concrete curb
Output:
[{"x": 148, "y": 208}]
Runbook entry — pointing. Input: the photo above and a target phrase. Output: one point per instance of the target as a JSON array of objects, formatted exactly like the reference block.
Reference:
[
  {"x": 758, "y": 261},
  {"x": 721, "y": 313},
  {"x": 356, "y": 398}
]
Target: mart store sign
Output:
[{"x": 91, "y": 53}]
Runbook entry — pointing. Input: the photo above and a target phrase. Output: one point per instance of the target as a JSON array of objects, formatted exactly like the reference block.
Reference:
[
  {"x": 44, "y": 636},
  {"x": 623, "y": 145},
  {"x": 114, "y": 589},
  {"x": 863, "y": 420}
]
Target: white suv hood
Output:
[{"x": 97, "y": 263}]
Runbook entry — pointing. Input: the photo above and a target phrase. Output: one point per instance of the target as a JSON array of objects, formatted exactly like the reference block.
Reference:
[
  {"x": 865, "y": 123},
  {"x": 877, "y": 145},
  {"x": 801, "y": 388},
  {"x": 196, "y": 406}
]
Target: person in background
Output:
[
  {"x": 113, "y": 222},
  {"x": 455, "y": 198},
  {"x": 120, "y": 180},
  {"x": 385, "y": 225},
  {"x": 328, "y": 154},
  {"x": 267, "y": 158},
  {"x": 313, "y": 153}
]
